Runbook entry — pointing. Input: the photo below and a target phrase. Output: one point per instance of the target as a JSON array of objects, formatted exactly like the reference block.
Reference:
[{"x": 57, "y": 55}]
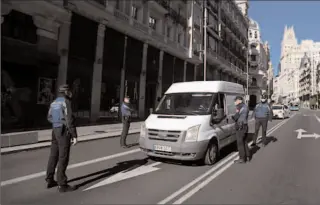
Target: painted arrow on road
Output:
[
  {"x": 300, "y": 135},
  {"x": 126, "y": 175}
]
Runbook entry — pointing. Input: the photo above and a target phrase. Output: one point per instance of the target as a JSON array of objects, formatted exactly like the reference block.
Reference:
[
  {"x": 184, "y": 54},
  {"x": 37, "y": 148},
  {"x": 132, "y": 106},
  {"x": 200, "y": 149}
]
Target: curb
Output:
[{"x": 45, "y": 144}]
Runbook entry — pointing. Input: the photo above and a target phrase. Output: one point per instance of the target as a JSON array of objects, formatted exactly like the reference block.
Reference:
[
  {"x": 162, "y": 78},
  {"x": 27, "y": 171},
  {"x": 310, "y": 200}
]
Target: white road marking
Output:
[
  {"x": 43, "y": 173},
  {"x": 203, "y": 184},
  {"x": 317, "y": 118},
  {"x": 223, "y": 163},
  {"x": 126, "y": 175},
  {"x": 300, "y": 135},
  {"x": 217, "y": 166}
]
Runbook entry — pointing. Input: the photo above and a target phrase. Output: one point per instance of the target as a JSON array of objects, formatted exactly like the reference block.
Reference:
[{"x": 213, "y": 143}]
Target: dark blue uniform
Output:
[
  {"x": 126, "y": 113},
  {"x": 241, "y": 119}
]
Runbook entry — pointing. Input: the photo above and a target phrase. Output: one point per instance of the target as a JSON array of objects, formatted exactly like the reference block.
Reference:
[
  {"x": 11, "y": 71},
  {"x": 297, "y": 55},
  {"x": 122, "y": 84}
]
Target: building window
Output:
[
  {"x": 118, "y": 4},
  {"x": 169, "y": 29},
  {"x": 179, "y": 38},
  {"x": 134, "y": 12},
  {"x": 152, "y": 23},
  {"x": 250, "y": 34},
  {"x": 253, "y": 57},
  {"x": 255, "y": 35}
]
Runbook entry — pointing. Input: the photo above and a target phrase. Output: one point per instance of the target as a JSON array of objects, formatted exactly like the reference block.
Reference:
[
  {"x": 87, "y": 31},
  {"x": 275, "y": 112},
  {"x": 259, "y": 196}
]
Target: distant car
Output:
[
  {"x": 115, "y": 108},
  {"x": 280, "y": 111},
  {"x": 294, "y": 108}
]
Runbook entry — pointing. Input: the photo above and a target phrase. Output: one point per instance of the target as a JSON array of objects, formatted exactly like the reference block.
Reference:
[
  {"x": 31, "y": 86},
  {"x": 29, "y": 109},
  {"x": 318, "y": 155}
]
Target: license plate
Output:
[{"x": 162, "y": 148}]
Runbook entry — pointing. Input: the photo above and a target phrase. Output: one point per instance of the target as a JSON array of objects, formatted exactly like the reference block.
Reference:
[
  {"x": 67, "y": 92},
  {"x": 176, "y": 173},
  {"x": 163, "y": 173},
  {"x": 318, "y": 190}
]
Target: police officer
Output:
[
  {"x": 241, "y": 119},
  {"x": 126, "y": 112},
  {"x": 262, "y": 113},
  {"x": 63, "y": 133}
]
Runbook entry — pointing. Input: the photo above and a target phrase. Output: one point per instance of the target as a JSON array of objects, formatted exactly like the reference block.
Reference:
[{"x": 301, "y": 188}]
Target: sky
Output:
[{"x": 272, "y": 16}]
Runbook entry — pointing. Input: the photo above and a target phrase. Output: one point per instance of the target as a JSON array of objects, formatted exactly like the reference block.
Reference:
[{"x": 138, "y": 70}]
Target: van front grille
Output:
[{"x": 164, "y": 135}]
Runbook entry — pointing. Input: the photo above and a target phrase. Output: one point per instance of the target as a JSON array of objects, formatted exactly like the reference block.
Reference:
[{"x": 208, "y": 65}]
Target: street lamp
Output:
[{"x": 247, "y": 68}]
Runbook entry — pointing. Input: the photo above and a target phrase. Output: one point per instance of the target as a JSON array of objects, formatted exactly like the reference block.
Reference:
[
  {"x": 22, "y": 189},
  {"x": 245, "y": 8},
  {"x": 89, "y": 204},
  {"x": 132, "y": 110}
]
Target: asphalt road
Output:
[{"x": 286, "y": 171}]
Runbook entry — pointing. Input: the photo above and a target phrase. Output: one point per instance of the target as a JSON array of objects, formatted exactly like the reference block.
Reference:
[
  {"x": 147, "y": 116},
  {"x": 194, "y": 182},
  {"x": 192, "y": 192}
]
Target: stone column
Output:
[
  {"x": 142, "y": 87},
  {"x": 63, "y": 51},
  {"x": 97, "y": 75},
  {"x": 184, "y": 71},
  {"x": 159, "y": 84}
]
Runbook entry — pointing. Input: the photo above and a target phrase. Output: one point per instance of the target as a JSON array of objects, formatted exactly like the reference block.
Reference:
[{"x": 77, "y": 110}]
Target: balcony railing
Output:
[
  {"x": 102, "y": 2},
  {"x": 120, "y": 15},
  {"x": 164, "y": 3}
]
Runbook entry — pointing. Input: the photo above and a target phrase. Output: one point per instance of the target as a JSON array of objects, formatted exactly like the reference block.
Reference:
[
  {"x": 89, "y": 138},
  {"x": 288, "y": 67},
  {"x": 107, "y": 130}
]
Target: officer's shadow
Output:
[
  {"x": 255, "y": 149},
  {"x": 121, "y": 166}
]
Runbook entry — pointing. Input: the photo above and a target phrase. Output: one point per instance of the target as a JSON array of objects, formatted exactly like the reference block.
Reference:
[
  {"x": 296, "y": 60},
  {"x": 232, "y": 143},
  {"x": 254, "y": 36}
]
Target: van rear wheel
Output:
[{"x": 212, "y": 154}]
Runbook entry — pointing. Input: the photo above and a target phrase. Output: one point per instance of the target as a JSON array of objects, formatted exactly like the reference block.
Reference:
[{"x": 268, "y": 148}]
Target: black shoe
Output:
[
  {"x": 253, "y": 144},
  {"x": 51, "y": 184},
  {"x": 249, "y": 159},
  {"x": 66, "y": 188},
  {"x": 124, "y": 146},
  {"x": 239, "y": 161}
]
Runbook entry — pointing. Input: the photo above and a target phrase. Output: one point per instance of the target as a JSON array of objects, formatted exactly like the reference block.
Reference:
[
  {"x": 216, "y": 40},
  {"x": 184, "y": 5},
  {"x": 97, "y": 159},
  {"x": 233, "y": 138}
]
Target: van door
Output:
[
  {"x": 231, "y": 110},
  {"x": 221, "y": 128}
]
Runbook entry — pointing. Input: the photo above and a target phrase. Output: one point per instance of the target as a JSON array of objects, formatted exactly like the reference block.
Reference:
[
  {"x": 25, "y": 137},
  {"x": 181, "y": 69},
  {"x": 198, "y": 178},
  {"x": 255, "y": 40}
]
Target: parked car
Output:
[
  {"x": 294, "y": 108},
  {"x": 280, "y": 111}
]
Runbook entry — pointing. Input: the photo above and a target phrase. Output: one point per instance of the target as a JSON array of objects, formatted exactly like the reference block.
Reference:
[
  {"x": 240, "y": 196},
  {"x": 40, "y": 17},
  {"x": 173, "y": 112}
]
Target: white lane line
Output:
[
  {"x": 177, "y": 193},
  {"x": 204, "y": 183},
  {"x": 43, "y": 173},
  {"x": 317, "y": 118}
]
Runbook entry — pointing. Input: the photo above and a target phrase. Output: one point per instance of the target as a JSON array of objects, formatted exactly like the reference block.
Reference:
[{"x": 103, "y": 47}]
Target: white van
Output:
[{"x": 192, "y": 121}]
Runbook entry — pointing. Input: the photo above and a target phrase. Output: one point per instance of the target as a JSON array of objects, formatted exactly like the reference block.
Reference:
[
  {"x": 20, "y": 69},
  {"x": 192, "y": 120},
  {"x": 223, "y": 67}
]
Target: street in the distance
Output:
[{"x": 285, "y": 171}]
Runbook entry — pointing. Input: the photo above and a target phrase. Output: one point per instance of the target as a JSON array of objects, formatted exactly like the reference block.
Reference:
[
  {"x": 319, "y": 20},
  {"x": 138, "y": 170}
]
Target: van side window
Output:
[
  {"x": 230, "y": 104},
  {"x": 220, "y": 103}
]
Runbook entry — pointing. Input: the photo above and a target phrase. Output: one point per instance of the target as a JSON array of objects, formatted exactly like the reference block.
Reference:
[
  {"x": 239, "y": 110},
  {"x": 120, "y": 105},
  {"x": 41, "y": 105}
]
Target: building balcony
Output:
[
  {"x": 101, "y": 2},
  {"x": 254, "y": 62},
  {"x": 254, "y": 51},
  {"x": 139, "y": 30},
  {"x": 162, "y": 6}
]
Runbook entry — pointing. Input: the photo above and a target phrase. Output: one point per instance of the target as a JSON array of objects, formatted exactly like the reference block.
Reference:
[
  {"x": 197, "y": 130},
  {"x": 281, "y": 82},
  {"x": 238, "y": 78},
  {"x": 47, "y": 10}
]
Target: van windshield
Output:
[{"x": 185, "y": 104}]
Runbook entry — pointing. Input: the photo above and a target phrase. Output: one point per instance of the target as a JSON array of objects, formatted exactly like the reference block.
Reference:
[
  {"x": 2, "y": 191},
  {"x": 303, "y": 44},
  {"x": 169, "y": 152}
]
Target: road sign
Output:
[
  {"x": 300, "y": 135},
  {"x": 126, "y": 175}
]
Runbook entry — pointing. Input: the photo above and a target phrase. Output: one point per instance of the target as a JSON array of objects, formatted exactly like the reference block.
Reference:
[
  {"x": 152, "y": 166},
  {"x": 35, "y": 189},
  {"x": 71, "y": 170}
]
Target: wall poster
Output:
[{"x": 45, "y": 91}]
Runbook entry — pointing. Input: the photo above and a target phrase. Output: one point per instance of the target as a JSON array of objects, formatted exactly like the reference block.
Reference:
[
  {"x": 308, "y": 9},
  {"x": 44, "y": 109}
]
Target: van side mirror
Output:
[{"x": 217, "y": 116}]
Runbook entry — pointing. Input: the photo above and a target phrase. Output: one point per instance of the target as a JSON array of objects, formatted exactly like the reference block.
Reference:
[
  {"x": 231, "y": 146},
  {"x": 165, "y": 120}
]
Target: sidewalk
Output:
[{"x": 19, "y": 141}]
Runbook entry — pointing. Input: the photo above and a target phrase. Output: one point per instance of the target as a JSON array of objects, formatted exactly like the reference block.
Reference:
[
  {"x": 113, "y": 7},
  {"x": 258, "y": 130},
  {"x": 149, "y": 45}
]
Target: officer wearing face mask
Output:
[
  {"x": 262, "y": 114},
  {"x": 63, "y": 134},
  {"x": 241, "y": 124}
]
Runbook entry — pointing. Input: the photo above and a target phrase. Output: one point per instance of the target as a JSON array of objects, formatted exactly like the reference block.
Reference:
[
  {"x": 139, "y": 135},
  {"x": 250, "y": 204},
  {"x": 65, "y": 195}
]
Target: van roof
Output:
[{"x": 206, "y": 87}]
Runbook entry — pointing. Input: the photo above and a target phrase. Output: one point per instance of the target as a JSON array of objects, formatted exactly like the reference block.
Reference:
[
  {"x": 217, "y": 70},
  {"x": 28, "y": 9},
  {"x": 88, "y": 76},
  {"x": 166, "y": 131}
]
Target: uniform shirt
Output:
[
  {"x": 242, "y": 114},
  {"x": 126, "y": 110}
]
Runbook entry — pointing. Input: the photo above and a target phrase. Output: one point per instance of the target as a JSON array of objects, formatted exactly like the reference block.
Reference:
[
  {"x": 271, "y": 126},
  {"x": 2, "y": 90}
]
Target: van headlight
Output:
[
  {"x": 143, "y": 130},
  {"x": 192, "y": 134}
]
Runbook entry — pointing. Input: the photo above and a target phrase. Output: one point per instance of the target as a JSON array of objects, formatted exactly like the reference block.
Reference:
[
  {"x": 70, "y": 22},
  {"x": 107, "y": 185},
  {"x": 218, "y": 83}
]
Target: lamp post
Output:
[{"x": 205, "y": 25}]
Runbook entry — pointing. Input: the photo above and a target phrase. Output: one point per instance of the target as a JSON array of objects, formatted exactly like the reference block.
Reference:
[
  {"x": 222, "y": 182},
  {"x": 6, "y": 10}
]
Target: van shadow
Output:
[{"x": 120, "y": 167}]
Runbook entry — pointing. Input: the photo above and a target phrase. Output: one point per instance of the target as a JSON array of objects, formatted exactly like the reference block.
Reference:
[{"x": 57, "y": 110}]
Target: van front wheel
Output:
[{"x": 212, "y": 154}]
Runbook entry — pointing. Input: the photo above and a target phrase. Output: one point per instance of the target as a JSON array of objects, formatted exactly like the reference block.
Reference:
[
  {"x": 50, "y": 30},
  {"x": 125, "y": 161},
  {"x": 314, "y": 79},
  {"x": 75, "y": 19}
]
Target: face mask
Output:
[{"x": 263, "y": 100}]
